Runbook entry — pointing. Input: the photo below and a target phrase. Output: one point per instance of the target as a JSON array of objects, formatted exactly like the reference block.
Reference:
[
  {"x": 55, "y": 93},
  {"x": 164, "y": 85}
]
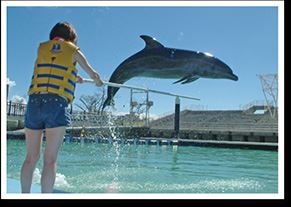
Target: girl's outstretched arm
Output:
[{"x": 80, "y": 58}]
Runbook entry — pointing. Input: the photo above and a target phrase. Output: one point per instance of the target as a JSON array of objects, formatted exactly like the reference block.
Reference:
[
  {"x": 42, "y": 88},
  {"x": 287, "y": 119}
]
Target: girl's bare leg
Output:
[
  {"x": 54, "y": 139},
  {"x": 33, "y": 139}
]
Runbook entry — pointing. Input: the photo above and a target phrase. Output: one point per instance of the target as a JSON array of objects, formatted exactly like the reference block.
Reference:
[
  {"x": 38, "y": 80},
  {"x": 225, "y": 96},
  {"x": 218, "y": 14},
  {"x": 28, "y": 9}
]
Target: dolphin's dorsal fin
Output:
[{"x": 151, "y": 42}]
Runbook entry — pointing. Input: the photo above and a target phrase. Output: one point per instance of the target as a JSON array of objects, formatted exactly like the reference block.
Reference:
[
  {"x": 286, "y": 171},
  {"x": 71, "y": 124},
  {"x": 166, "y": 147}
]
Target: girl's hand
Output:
[
  {"x": 98, "y": 82},
  {"x": 79, "y": 79},
  {"x": 95, "y": 76}
]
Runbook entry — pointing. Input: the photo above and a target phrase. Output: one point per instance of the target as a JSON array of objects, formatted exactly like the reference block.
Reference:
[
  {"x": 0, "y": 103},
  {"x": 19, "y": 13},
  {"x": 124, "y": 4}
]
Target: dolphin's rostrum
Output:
[{"x": 158, "y": 61}]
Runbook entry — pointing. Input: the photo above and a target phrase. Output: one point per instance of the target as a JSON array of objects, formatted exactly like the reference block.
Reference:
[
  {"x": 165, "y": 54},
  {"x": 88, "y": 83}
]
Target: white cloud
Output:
[
  {"x": 151, "y": 116},
  {"x": 142, "y": 115},
  {"x": 11, "y": 83},
  {"x": 154, "y": 117}
]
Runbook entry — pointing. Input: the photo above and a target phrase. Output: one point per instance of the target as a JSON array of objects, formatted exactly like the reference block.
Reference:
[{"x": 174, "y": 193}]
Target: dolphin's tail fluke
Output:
[
  {"x": 119, "y": 77},
  {"x": 111, "y": 91},
  {"x": 106, "y": 103}
]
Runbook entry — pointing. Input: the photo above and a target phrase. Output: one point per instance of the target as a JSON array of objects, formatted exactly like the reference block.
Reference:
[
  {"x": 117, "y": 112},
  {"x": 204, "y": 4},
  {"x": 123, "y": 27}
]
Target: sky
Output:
[{"x": 245, "y": 38}]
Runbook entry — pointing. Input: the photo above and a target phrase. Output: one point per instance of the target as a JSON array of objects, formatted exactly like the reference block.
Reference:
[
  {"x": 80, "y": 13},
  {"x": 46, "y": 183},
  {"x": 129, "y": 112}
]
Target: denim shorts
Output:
[{"x": 46, "y": 111}]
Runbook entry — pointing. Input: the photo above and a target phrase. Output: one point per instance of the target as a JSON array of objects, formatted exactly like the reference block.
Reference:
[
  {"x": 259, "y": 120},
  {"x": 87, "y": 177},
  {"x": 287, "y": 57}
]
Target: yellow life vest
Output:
[{"x": 54, "y": 70}]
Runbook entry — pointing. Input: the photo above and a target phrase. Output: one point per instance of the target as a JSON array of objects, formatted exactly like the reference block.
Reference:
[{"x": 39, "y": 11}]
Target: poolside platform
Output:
[{"x": 13, "y": 186}]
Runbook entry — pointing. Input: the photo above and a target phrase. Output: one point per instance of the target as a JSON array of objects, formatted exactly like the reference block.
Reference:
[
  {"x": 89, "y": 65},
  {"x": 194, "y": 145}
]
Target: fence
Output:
[
  {"x": 15, "y": 109},
  {"x": 104, "y": 119},
  {"x": 84, "y": 118}
]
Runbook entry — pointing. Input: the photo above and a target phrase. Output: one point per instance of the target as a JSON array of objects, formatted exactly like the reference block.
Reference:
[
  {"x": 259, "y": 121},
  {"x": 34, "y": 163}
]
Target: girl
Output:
[{"x": 51, "y": 90}]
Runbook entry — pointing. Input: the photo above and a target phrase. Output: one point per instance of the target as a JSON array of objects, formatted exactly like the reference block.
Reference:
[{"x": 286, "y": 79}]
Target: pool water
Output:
[{"x": 124, "y": 168}]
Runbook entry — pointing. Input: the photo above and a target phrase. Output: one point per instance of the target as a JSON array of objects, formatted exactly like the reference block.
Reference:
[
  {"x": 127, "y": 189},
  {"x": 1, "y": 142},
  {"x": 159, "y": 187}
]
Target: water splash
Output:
[
  {"x": 111, "y": 122},
  {"x": 36, "y": 176},
  {"x": 61, "y": 180},
  {"x": 114, "y": 187}
]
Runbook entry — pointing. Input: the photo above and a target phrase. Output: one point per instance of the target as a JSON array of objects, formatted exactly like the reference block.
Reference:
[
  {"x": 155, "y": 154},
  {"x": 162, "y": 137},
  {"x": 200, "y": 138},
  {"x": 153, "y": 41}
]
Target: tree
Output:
[{"x": 91, "y": 103}]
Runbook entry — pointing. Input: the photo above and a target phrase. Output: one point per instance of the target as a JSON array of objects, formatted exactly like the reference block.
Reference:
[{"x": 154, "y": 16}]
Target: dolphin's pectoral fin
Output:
[
  {"x": 189, "y": 80},
  {"x": 182, "y": 79}
]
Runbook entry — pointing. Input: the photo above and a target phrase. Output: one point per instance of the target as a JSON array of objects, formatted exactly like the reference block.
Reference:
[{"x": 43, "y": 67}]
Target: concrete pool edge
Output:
[{"x": 231, "y": 144}]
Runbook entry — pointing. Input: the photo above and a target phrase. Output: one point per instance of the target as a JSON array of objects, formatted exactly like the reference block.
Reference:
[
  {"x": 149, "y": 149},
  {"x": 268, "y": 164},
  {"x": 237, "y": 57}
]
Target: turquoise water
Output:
[{"x": 101, "y": 168}]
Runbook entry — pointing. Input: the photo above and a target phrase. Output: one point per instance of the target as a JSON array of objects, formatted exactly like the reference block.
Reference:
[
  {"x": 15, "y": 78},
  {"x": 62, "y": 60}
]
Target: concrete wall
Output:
[
  {"x": 131, "y": 132},
  {"x": 15, "y": 123},
  {"x": 215, "y": 135}
]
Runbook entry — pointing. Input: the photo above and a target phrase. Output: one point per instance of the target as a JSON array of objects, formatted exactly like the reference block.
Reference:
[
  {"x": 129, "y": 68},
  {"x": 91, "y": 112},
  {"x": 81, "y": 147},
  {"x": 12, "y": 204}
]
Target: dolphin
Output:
[{"x": 158, "y": 61}]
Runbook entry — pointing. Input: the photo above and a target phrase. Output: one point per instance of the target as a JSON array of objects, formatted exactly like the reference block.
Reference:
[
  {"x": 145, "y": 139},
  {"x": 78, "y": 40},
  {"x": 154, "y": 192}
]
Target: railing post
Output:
[
  {"x": 147, "y": 109},
  {"x": 177, "y": 117},
  {"x": 131, "y": 105},
  {"x": 9, "y": 107},
  {"x": 71, "y": 109},
  {"x": 7, "y": 91},
  {"x": 14, "y": 109}
]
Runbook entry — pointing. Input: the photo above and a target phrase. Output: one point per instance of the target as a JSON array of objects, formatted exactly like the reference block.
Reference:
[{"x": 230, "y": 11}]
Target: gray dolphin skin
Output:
[{"x": 158, "y": 61}]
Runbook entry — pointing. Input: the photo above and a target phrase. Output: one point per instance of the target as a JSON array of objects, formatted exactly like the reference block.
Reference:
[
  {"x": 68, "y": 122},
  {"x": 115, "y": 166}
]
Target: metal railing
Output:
[
  {"x": 103, "y": 120},
  {"x": 15, "y": 109},
  {"x": 117, "y": 85}
]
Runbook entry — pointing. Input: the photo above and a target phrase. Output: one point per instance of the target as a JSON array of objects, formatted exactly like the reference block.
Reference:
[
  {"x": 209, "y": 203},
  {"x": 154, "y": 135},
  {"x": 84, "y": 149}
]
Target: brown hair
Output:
[{"x": 64, "y": 30}]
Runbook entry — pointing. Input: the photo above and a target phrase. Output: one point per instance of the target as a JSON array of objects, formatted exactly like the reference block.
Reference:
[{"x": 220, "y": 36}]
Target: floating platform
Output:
[
  {"x": 206, "y": 139},
  {"x": 178, "y": 142}
]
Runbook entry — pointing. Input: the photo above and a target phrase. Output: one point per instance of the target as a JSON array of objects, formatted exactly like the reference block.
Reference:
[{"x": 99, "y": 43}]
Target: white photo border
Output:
[{"x": 278, "y": 4}]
